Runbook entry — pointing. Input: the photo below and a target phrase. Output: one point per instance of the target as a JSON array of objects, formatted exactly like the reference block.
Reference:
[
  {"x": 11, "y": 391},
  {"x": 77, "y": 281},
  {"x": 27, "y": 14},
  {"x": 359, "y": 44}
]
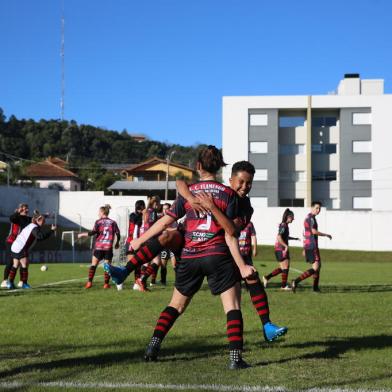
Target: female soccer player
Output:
[
  {"x": 311, "y": 249},
  {"x": 241, "y": 181},
  {"x": 282, "y": 251},
  {"x": 19, "y": 220},
  {"x": 205, "y": 254},
  {"x": 21, "y": 246},
  {"x": 105, "y": 229}
]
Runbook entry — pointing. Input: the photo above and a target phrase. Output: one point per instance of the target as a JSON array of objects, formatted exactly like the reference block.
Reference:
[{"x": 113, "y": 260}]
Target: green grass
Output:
[{"x": 339, "y": 339}]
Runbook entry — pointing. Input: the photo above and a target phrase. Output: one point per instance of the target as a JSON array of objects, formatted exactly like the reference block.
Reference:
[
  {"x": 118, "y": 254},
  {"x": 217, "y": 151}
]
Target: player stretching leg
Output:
[
  {"x": 21, "y": 246},
  {"x": 19, "y": 220},
  {"x": 311, "y": 249},
  {"x": 105, "y": 229},
  {"x": 282, "y": 251},
  {"x": 241, "y": 182}
]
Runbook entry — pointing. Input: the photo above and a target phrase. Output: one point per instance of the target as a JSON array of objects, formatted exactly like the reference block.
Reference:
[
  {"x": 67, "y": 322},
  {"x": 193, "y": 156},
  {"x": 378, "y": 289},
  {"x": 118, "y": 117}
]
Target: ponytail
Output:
[
  {"x": 106, "y": 209},
  {"x": 286, "y": 214}
]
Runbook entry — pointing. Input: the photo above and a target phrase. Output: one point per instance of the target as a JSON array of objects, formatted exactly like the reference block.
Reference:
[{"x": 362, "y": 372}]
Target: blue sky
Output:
[{"x": 161, "y": 67}]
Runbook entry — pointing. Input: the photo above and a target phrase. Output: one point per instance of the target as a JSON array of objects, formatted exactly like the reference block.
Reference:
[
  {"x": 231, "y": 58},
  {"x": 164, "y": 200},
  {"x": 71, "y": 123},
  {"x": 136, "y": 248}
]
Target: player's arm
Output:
[
  {"x": 294, "y": 238},
  {"x": 118, "y": 237},
  {"x": 281, "y": 242},
  {"x": 43, "y": 233},
  {"x": 319, "y": 233},
  {"x": 253, "y": 239},
  {"x": 157, "y": 228},
  {"x": 183, "y": 190},
  {"x": 15, "y": 217}
]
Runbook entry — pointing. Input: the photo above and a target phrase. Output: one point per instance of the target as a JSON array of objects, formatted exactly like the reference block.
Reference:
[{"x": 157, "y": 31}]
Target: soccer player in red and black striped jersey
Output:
[
  {"x": 134, "y": 229},
  {"x": 241, "y": 182},
  {"x": 282, "y": 253},
  {"x": 311, "y": 248},
  {"x": 20, "y": 248},
  {"x": 207, "y": 253},
  {"x": 19, "y": 220},
  {"x": 105, "y": 230}
]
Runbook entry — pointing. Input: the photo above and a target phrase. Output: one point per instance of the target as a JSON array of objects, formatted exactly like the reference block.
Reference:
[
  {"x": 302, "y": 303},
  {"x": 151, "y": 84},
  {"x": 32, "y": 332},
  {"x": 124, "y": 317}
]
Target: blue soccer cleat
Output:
[
  {"x": 118, "y": 274},
  {"x": 10, "y": 285},
  {"x": 26, "y": 286},
  {"x": 272, "y": 331}
]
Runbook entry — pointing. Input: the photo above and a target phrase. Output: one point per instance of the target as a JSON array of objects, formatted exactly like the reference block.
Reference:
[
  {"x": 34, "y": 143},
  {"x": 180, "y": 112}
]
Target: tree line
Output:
[{"x": 85, "y": 147}]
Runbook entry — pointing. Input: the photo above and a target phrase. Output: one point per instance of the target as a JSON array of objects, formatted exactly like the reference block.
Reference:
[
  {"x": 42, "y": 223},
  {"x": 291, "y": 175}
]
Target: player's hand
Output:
[
  {"x": 329, "y": 236},
  {"x": 247, "y": 271},
  {"x": 206, "y": 201},
  {"x": 134, "y": 245},
  {"x": 81, "y": 235},
  {"x": 197, "y": 207},
  {"x": 54, "y": 227},
  {"x": 116, "y": 246}
]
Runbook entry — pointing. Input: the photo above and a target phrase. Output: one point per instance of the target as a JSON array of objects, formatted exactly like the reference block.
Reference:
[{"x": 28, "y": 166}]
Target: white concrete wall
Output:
[
  {"x": 68, "y": 185},
  {"x": 359, "y": 230},
  {"x": 82, "y": 208}
]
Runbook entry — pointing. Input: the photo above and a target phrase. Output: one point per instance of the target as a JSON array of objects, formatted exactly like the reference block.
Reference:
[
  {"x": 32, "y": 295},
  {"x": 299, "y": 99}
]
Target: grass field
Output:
[{"x": 59, "y": 336}]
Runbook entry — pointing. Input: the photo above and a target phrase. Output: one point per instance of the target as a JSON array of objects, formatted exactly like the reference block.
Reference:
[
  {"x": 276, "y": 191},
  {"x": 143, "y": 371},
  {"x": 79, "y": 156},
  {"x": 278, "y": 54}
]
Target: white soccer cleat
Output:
[
  {"x": 265, "y": 281},
  {"x": 119, "y": 287},
  {"x": 4, "y": 284},
  {"x": 136, "y": 287},
  {"x": 20, "y": 284},
  {"x": 286, "y": 288}
]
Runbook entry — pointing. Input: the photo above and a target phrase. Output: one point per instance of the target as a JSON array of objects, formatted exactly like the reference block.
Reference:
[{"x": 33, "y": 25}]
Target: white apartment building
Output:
[{"x": 335, "y": 148}]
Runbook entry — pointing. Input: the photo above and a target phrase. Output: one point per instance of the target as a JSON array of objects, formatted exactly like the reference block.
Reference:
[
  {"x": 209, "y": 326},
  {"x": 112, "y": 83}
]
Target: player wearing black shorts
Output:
[
  {"x": 311, "y": 248},
  {"x": 241, "y": 182},
  {"x": 207, "y": 253},
  {"x": 282, "y": 253}
]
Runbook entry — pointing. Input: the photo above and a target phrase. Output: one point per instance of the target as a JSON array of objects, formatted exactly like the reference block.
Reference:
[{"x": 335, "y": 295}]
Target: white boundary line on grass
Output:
[
  {"x": 50, "y": 284},
  {"x": 178, "y": 387}
]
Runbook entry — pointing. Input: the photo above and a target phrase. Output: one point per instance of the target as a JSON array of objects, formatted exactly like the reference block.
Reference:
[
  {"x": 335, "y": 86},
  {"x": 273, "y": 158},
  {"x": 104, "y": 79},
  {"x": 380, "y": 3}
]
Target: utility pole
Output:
[
  {"x": 62, "y": 62},
  {"x": 168, "y": 159}
]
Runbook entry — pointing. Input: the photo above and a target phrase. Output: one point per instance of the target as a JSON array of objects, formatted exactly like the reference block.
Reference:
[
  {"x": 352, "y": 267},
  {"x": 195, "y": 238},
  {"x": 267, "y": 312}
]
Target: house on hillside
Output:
[
  {"x": 53, "y": 173},
  {"x": 153, "y": 176}
]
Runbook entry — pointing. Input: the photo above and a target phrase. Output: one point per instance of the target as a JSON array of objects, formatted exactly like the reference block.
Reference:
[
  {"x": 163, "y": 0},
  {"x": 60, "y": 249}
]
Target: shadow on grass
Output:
[
  {"x": 334, "y": 349},
  {"x": 327, "y": 289},
  {"x": 194, "y": 349}
]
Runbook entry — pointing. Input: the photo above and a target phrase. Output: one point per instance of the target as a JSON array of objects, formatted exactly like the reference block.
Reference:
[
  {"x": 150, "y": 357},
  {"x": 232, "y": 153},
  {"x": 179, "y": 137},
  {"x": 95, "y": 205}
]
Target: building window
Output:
[
  {"x": 293, "y": 176},
  {"x": 322, "y": 122},
  {"x": 258, "y": 147},
  {"x": 259, "y": 201},
  {"x": 291, "y": 203},
  {"x": 362, "y": 174},
  {"x": 324, "y": 148},
  {"x": 291, "y": 121},
  {"x": 261, "y": 175},
  {"x": 324, "y": 175},
  {"x": 362, "y": 119},
  {"x": 362, "y": 202},
  {"x": 257, "y": 120},
  {"x": 362, "y": 146},
  {"x": 291, "y": 149}
]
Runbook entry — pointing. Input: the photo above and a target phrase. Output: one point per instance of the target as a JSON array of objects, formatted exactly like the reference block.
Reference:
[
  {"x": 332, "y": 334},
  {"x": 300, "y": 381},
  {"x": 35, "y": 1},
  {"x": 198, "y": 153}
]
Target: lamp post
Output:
[{"x": 168, "y": 159}]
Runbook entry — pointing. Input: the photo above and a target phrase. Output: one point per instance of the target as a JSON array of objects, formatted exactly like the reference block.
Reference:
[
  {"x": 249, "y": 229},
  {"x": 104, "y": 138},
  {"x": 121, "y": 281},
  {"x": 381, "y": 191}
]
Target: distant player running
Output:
[
  {"x": 311, "y": 248},
  {"x": 105, "y": 229},
  {"x": 19, "y": 220},
  {"x": 282, "y": 253},
  {"x": 23, "y": 243}
]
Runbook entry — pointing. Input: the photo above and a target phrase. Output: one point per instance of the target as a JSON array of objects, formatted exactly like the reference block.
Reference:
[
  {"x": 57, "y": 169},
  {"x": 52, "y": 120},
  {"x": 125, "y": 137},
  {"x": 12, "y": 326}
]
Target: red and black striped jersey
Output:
[
  {"x": 18, "y": 223},
  {"x": 105, "y": 230},
  {"x": 310, "y": 240},
  {"x": 203, "y": 235},
  {"x": 150, "y": 217},
  {"x": 284, "y": 232},
  {"x": 135, "y": 222},
  {"x": 245, "y": 239}
]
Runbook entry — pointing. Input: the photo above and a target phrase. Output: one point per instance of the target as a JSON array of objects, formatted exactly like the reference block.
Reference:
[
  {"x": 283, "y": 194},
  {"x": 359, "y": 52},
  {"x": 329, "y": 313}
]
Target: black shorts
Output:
[
  {"x": 220, "y": 270},
  {"x": 312, "y": 255},
  {"x": 166, "y": 254},
  {"x": 103, "y": 254},
  {"x": 282, "y": 256},
  {"x": 20, "y": 255}
]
